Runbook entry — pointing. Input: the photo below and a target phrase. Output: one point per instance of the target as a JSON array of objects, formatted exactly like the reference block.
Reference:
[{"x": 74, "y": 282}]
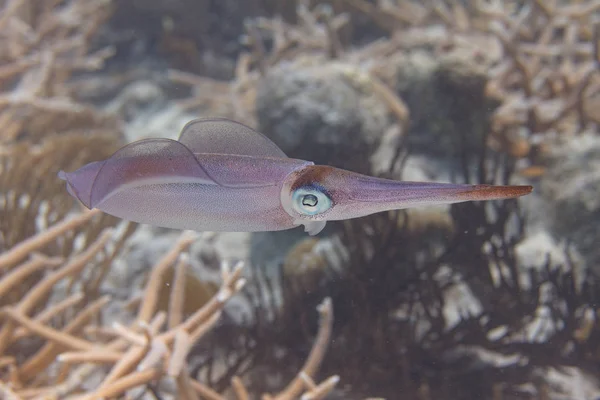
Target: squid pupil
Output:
[{"x": 310, "y": 200}]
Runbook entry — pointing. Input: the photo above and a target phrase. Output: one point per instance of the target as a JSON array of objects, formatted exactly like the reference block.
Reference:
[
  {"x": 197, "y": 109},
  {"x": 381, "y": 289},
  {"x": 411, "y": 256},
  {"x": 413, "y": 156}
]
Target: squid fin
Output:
[{"x": 224, "y": 136}]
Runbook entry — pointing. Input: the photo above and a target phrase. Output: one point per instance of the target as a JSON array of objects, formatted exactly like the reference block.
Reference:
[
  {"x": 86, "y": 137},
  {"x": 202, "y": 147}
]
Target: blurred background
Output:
[{"x": 495, "y": 300}]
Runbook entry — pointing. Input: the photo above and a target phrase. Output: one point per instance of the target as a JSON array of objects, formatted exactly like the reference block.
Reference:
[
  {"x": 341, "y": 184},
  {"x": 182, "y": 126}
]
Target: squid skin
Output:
[{"x": 221, "y": 175}]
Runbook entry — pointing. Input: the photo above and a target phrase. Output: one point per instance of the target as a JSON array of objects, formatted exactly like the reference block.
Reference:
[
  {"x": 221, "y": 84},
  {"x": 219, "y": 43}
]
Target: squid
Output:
[{"x": 221, "y": 175}]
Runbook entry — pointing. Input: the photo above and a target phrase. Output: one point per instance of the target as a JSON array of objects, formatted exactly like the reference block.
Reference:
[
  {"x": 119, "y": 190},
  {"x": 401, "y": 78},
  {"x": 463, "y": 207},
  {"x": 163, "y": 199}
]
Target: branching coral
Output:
[
  {"x": 540, "y": 59},
  {"x": 44, "y": 127},
  {"x": 31, "y": 280},
  {"x": 42, "y": 45},
  {"x": 45, "y": 354},
  {"x": 32, "y": 204},
  {"x": 316, "y": 36},
  {"x": 59, "y": 335},
  {"x": 548, "y": 78},
  {"x": 545, "y": 74},
  {"x": 394, "y": 303},
  {"x": 28, "y": 207}
]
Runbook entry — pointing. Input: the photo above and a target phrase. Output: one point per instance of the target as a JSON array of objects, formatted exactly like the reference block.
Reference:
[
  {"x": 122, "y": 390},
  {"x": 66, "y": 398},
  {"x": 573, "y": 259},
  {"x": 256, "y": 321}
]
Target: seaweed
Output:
[{"x": 443, "y": 312}]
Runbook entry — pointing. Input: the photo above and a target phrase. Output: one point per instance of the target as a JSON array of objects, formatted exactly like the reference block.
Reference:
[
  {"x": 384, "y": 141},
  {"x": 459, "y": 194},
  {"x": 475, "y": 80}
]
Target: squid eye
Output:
[{"x": 310, "y": 201}]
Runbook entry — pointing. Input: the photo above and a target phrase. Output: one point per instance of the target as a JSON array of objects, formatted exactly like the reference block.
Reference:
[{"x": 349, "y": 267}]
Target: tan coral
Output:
[
  {"x": 546, "y": 72},
  {"x": 39, "y": 200},
  {"x": 41, "y": 47},
  {"x": 140, "y": 353}
]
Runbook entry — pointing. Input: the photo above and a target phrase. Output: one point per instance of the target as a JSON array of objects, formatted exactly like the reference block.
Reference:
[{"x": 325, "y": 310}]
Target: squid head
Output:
[{"x": 221, "y": 175}]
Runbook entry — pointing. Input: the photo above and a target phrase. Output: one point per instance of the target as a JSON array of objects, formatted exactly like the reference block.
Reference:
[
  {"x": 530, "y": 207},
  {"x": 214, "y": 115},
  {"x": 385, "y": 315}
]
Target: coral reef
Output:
[
  {"x": 525, "y": 71},
  {"x": 30, "y": 205},
  {"x": 347, "y": 115},
  {"x": 461, "y": 317},
  {"x": 540, "y": 58},
  {"x": 61, "y": 349},
  {"x": 42, "y": 46},
  {"x": 65, "y": 330},
  {"x": 460, "y": 302}
]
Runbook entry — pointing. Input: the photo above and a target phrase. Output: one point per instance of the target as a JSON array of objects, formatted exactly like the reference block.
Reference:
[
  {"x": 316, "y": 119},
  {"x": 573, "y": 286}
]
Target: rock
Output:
[
  {"x": 446, "y": 99},
  {"x": 571, "y": 186},
  {"x": 536, "y": 248},
  {"x": 147, "y": 112},
  {"x": 574, "y": 383},
  {"x": 269, "y": 249},
  {"x": 136, "y": 98},
  {"x": 320, "y": 113}
]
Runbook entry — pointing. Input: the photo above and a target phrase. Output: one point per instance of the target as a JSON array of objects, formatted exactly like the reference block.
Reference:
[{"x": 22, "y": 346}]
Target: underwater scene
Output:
[{"x": 299, "y": 199}]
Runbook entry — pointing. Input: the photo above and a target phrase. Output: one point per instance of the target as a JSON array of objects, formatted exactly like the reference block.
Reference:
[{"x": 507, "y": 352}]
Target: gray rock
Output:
[
  {"x": 138, "y": 97},
  {"x": 319, "y": 112},
  {"x": 147, "y": 112},
  {"x": 572, "y": 188},
  {"x": 447, "y": 102}
]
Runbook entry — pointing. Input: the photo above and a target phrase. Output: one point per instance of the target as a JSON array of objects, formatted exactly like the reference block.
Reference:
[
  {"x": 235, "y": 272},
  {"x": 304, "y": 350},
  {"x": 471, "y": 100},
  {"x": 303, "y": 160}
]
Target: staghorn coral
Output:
[
  {"x": 32, "y": 200},
  {"x": 537, "y": 63},
  {"x": 541, "y": 61},
  {"x": 42, "y": 292},
  {"x": 32, "y": 204},
  {"x": 64, "y": 331},
  {"x": 393, "y": 299},
  {"x": 548, "y": 78},
  {"x": 274, "y": 42},
  {"x": 62, "y": 348},
  {"x": 42, "y": 46},
  {"x": 44, "y": 127}
]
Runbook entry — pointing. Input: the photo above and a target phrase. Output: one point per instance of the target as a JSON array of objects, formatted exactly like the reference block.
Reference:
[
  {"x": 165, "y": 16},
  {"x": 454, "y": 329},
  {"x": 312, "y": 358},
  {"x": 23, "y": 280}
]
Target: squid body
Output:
[{"x": 221, "y": 175}]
